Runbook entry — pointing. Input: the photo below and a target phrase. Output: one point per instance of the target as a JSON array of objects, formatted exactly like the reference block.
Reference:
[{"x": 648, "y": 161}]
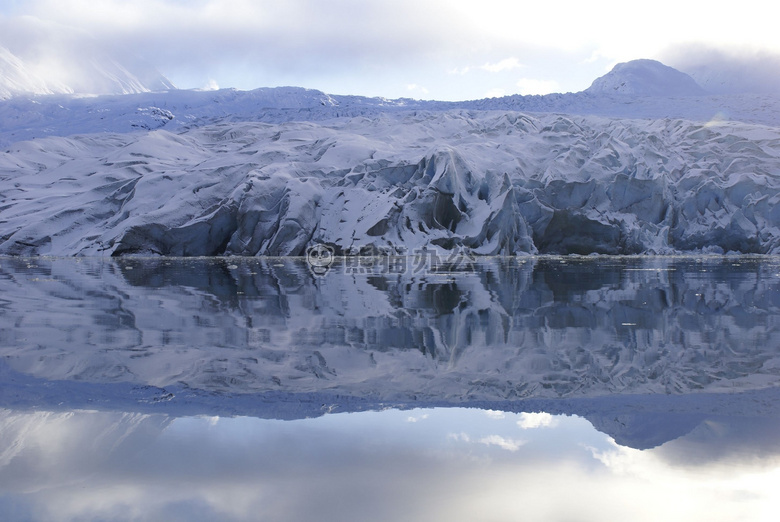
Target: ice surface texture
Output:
[
  {"x": 644, "y": 162},
  {"x": 487, "y": 182}
]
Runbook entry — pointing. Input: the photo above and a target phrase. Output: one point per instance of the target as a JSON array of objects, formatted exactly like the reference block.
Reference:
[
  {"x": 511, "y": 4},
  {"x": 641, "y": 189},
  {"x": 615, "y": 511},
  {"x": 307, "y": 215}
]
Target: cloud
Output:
[
  {"x": 502, "y": 442},
  {"x": 536, "y": 420},
  {"x": 460, "y": 70},
  {"x": 211, "y": 85},
  {"x": 115, "y": 465},
  {"x": 416, "y": 89},
  {"x": 489, "y": 440},
  {"x": 732, "y": 71},
  {"x": 271, "y": 38},
  {"x": 506, "y": 64},
  {"x": 379, "y": 47}
]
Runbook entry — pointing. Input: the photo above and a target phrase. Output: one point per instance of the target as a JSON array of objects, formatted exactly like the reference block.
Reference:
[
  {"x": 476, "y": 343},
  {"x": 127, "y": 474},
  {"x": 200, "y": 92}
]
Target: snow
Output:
[
  {"x": 628, "y": 343},
  {"x": 488, "y": 182},
  {"x": 645, "y": 78},
  {"x": 655, "y": 168},
  {"x": 38, "y": 57}
]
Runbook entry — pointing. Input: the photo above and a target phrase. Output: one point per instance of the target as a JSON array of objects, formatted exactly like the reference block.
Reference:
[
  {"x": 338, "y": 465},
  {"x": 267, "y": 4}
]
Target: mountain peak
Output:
[
  {"x": 645, "y": 78},
  {"x": 61, "y": 60}
]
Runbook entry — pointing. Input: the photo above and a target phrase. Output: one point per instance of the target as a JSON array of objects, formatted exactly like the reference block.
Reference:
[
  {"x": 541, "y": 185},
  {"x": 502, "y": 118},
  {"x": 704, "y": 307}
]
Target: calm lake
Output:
[{"x": 561, "y": 389}]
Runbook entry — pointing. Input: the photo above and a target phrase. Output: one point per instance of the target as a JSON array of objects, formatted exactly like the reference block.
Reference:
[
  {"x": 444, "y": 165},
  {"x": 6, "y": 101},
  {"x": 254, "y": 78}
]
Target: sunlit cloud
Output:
[
  {"x": 367, "y": 46},
  {"x": 536, "y": 420},
  {"x": 506, "y": 64},
  {"x": 416, "y": 89},
  {"x": 727, "y": 71},
  {"x": 211, "y": 85},
  {"x": 460, "y": 70},
  {"x": 502, "y": 442},
  {"x": 113, "y": 465}
]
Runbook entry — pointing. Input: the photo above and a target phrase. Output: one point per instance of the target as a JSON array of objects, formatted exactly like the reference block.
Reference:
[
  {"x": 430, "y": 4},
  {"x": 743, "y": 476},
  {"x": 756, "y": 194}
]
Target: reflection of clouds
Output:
[
  {"x": 364, "y": 466},
  {"x": 723, "y": 441},
  {"x": 502, "y": 442},
  {"x": 490, "y": 440},
  {"x": 536, "y": 420},
  {"x": 743, "y": 490}
]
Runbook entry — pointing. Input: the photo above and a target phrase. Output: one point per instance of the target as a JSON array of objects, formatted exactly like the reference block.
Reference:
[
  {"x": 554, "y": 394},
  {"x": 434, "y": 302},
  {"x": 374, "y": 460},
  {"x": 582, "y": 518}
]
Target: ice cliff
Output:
[
  {"x": 485, "y": 182},
  {"x": 274, "y": 171}
]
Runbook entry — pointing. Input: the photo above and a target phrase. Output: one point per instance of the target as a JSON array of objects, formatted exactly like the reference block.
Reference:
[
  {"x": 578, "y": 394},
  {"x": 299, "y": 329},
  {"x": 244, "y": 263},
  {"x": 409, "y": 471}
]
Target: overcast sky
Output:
[{"x": 430, "y": 49}]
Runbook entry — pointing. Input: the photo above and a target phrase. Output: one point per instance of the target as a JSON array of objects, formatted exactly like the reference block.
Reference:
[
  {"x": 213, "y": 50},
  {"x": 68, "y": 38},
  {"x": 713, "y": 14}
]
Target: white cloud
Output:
[
  {"x": 416, "y": 89},
  {"x": 534, "y": 86},
  {"x": 490, "y": 440},
  {"x": 211, "y": 85},
  {"x": 507, "y": 64},
  {"x": 460, "y": 70},
  {"x": 723, "y": 72},
  {"x": 502, "y": 442},
  {"x": 536, "y": 420},
  {"x": 352, "y": 44}
]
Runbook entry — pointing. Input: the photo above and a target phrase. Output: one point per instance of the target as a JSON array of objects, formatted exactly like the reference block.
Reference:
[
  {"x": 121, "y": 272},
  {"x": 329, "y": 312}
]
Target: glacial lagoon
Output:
[{"x": 522, "y": 388}]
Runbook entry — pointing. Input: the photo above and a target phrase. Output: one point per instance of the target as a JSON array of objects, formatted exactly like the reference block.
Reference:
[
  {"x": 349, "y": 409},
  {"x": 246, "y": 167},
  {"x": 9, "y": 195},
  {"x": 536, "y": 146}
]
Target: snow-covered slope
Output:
[
  {"x": 486, "y": 182},
  {"x": 645, "y": 78},
  {"x": 273, "y": 171}
]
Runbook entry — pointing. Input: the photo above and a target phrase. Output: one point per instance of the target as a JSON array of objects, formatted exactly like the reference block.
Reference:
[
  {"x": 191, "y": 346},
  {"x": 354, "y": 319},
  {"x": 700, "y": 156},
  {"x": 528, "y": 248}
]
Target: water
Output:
[{"x": 256, "y": 389}]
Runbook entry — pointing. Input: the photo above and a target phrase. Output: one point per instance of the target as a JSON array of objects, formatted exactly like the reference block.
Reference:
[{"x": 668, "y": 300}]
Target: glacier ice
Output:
[
  {"x": 641, "y": 163},
  {"x": 483, "y": 182}
]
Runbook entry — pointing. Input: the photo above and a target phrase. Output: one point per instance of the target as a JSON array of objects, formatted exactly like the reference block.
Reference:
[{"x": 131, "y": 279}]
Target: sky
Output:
[
  {"x": 434, "y": 464},
  {"x": 424, "y": 49}
]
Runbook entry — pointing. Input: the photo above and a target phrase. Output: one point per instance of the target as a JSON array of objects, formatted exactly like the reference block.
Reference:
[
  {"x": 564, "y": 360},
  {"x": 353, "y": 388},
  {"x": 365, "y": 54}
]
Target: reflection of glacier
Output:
[{"x": 500, "y": 329}]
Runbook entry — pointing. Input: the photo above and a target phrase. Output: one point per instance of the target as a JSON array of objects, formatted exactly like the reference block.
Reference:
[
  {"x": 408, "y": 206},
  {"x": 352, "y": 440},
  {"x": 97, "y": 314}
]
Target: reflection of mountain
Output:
[
  {"x": 693, "y": 428},
  {"x": 630, "y": 344},
  {"x": 504, "y": 329}
]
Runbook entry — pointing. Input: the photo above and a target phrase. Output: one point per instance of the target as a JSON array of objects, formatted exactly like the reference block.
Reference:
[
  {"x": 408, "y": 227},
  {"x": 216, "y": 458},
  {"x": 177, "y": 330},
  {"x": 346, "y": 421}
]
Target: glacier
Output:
[
  {"x": 489, "y": 182},
  {"x": 652, "y": 167}
]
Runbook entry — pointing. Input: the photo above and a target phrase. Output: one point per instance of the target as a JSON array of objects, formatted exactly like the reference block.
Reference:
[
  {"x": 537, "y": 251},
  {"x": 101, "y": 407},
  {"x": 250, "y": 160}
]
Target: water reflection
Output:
[
  {"x": 146, "y": 388},
  {"x": 502, "y": 329},
  {"x": 424, "y": 464}
]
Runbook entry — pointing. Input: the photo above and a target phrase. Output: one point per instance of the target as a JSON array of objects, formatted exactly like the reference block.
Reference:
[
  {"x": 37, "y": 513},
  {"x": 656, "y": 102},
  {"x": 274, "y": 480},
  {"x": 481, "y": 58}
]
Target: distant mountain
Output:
[
  {"x": 646, "y": 78},
  {"x": 41, "y": 59}
]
